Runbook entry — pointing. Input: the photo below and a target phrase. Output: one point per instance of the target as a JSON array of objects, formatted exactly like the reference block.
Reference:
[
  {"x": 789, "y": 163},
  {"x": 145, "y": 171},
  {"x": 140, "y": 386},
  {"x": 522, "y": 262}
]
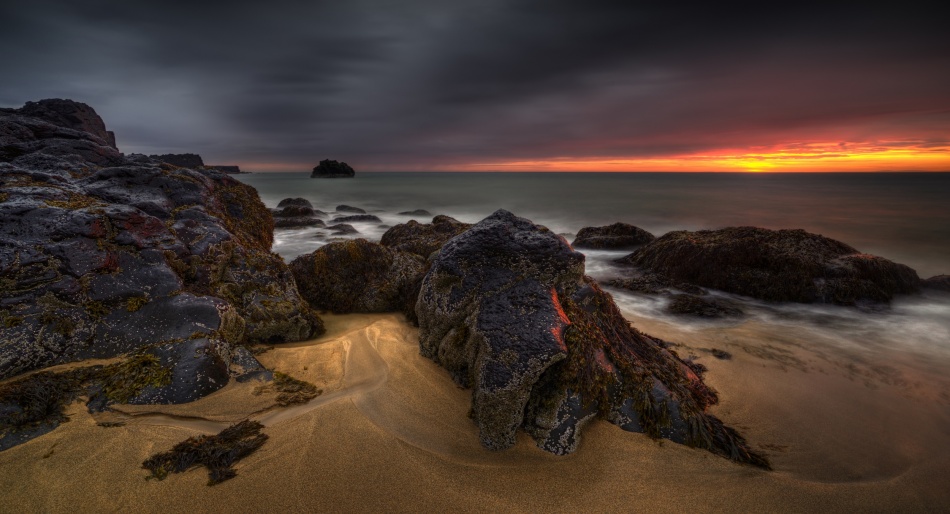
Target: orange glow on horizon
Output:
[{"x": 796, "y": 157}]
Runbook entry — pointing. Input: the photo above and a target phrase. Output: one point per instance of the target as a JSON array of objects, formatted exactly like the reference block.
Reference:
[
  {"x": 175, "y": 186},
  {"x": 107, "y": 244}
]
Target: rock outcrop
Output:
[
  {"x": 332, "y": 169},
  {"x": 423, "y": 239},
  {"x": 356, "y": 276},
  {"x": 364, "y": 218},
  {"x": 937, "y": 283},
  {"x": 350, "y": 209},
  {"x": 103, "y": 255},
  {"x": 295, "y": 213},
  {"x": 230, "y": 168},
  {"x": 182, "y": 160},
  {"x": 775, "y": 265},
  {"x": 69, "y": 114},
  {"x": 619, "y": 236},
  {"x": 507, "y": 310}
]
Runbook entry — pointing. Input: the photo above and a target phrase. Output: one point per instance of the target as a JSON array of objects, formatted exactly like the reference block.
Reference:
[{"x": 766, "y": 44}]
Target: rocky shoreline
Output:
[{"x": 168, "y": 269}]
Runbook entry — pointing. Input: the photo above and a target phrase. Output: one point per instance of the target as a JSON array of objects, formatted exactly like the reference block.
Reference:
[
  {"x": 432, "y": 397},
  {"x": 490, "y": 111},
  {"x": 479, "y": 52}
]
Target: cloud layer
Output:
[{"x": 445, "y": 85}]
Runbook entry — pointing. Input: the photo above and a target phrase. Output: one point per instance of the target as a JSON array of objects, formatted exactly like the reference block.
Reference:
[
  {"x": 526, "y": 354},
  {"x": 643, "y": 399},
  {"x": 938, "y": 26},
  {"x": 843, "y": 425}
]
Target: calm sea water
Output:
[{"x": 904, "y": 217}]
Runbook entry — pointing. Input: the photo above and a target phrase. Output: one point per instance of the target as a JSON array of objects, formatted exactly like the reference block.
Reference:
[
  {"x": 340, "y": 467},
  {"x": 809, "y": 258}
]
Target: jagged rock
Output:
[
  {"x": 423, "y": 239},
  {"x": 938, "y": 283},
  {"x": 356, "y": 276},
  {"x": 704, "y": 307},
  {"x": 347, "y": 208},
  {"x": 103, "y": 254},
  {"x": 332, "y": 169},
  {"x": 619, "y": 236},
  {"x": 775, "y": 265},
  {"x": 417, "y": 212},
  {"x": 506, "y": 309},
  {"x": 184, "y": 160},
  {"x": 74, "y": 115},
  {"x": 342, "y": 229},
  {"x": 358, "y": 218}
]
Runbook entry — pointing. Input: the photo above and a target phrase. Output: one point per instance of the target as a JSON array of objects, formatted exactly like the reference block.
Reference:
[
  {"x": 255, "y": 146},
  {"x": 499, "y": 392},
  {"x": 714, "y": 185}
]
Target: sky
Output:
[{"x": 488, "y": 85}]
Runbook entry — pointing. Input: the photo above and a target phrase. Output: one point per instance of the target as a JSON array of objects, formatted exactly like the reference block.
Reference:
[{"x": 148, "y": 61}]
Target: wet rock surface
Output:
[
  {"x": 421, "y": 238},
  {"x": 619, "y": 236},
  {"x": 357, "y": 276},
  {"x": 507, "y": 310},
  {"x": 332, "y": 169},
  {"x": 103, "y": 254},
  {"x": 775, "y": 265}
]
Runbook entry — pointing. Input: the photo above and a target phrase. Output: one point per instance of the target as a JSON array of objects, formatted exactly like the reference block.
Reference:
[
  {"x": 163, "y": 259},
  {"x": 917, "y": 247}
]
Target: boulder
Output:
[
  {"x": 506, "y": 309},
  {"x": 775, "y": 265},
  {"x": 342, "y": 229},
  {"x": 332, "y": 169},
  {"x": 356, "y": 276},
  {"x": 103, "y": 254},
  {"x": 298, "y": 202},
  {"x": 347, "y": 208},
  {"x": 299, "y": 221},
  {"x": 937, "y": 283},
  {"x": 423, "y": 239},
  {"x": 619, "y": 236},
  {"x": 183, "y": 160},
  {"x": 366, "y": 218}
]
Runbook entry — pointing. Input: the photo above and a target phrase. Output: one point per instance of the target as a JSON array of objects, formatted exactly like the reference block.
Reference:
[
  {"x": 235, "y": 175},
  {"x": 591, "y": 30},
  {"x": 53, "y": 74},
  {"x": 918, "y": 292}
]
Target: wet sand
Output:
[{"x": 391, "y": 432}]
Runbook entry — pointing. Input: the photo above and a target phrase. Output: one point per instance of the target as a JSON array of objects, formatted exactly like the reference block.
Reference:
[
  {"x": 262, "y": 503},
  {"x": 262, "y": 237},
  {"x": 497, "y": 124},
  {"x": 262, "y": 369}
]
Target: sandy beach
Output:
[{"x": 391, "y": 431}]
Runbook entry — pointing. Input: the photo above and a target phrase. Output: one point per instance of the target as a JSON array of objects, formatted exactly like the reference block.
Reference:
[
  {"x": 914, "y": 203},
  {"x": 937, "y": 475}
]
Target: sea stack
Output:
[{"x": 332, "y": 169}]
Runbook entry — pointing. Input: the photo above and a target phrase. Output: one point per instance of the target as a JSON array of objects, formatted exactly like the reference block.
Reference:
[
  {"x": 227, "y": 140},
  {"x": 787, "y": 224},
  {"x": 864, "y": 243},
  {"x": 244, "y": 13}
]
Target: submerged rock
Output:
[
  {"x": 423, "y": 239},
  {"x": 103, "y": 254},
  {"x": 356, "y": 276},
  {"x": 619, "y": 236},
  {"x": 775, "y": 265},
  {"x": 506, "y": 310},
  {"x": 332, "y": 169}
]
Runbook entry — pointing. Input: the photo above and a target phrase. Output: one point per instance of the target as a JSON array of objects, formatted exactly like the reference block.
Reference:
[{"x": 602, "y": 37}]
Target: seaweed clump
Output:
[
  {"x": 290, "y": 391},
  {"x": 35, "y": 405},
  {"x": 216, "y": 452}
]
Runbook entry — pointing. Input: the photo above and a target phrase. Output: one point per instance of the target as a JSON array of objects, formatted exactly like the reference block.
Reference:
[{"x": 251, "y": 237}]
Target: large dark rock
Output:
[
  {"x": 507, "y": 310},
  {"x": 298, "y": 202},
  {"x": 423, "y": 239},
  {"x": 365, "y": 218},
  {"x": 937, "y": 283},
  {"x": 103, "y": 254},
  {"x": 350, "y": 209},
  {"x": 775, "y": 265},
  {"x": 356, "y": 276},
  {"x": 619, "y": 236},
  {"x": 332, "y": 169},
  {"x": 184, "y": 160}
]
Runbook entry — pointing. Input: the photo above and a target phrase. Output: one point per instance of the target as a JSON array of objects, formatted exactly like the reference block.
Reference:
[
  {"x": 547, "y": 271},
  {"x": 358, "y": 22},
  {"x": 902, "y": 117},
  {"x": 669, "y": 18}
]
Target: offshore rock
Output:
[
  {"x": 350, "y": 209},
  {"x": 506, "y": 309},
  {"x": 775, "y": 265},
  {"x": 332, "y": 169},
  {"x": 423, "y": 239},
  {"x": 103, "y": 254},
  {"x": 358, "y": 218},
  {"x": 356, "y": 276},
  {"x": 619, "y": 236},
  {"x": 937, "y": 283},
  {"x": 183, "y": 160}
]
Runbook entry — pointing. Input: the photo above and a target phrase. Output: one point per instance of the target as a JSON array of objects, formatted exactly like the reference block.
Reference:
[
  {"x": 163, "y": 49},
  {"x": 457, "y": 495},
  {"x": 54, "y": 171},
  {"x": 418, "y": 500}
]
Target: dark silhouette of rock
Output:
[
  {"x": 184, "y": 160},
  {"x": 332, "y": 169},
  {"x": 74, "y": 115},
  {"x": 103, "y": 255},
  {"x": 230, "y": 169},
  {"x": 356, "y": 276},
  {"x": 619, "y": 236},
  {"x": 938, "y": 283},
  {"x": 358, "y": 217},
  {"x": 775, "y": 265},
  {"x": 506, "y": 309},
  {"x": 341, "y": 229},
  {"x": 703, "y": 306},
  {"x": 417, "y": 212},
  {"x": 423, "y": 239},
  {"x": 297, "y": 202},
  {"x": 347, "y": 208},
  {"x": 298, "y": 222}
]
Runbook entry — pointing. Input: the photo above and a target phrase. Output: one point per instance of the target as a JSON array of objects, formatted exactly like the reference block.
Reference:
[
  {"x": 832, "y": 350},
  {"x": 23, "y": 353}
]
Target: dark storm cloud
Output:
[{"x": 403, "y": 85}]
